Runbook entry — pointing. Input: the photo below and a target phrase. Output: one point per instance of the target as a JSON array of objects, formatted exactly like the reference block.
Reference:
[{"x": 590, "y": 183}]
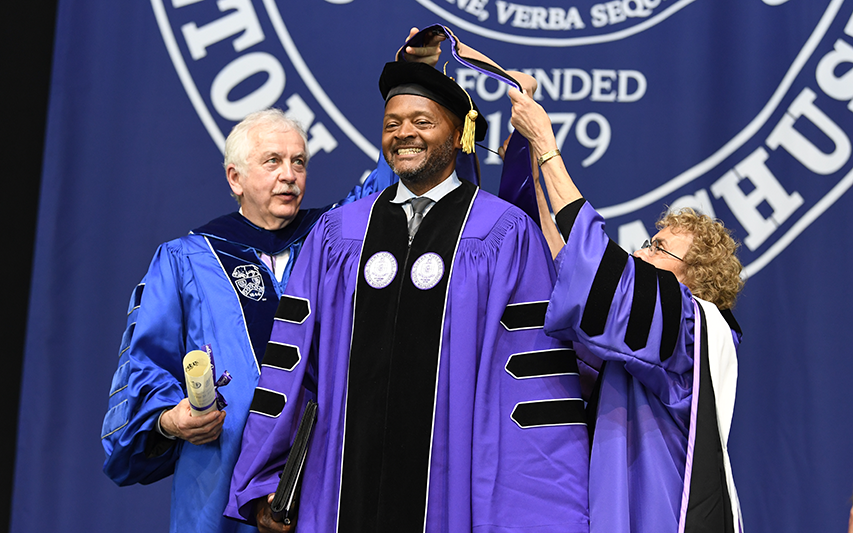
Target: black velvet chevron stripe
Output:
[
  {"x": 541, "y": 364},
  {"x": 267, "y": 402},
  {"x": 566, "y": 217},
  {"x": 670, "y": 304},
  {"x": 283, "y": 356},
  {"x": 642, "y": 305},
  {"x": 569, "y": 411},
  {"x": 292, "y": 309},
  {"x": 524, "y": 316},
  {"x": 603, "y": 288}
]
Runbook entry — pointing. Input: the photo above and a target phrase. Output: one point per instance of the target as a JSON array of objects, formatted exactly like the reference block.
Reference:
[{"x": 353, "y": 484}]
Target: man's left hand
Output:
[{"x": 263, "y": 516}]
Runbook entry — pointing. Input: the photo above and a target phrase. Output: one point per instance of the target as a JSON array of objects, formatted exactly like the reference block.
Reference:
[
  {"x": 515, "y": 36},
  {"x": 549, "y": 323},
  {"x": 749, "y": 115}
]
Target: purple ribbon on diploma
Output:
[{"x": 223, "y": 380}]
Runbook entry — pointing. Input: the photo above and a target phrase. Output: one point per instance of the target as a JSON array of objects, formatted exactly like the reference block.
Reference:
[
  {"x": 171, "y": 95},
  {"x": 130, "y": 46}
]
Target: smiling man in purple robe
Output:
[{"x": 415, "y": 319}]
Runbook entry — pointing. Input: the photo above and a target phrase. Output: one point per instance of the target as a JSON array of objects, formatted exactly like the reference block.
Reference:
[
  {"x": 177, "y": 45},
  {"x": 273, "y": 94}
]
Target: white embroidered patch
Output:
[
  {"x": 249, "y": 282},
  {"x": 380, "y": 270},
  {"x": 427, "y": 271}
]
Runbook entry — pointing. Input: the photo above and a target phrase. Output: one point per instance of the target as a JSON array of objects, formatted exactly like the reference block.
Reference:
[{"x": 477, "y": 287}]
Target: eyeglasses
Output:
[{"x": 655, "y": 246}]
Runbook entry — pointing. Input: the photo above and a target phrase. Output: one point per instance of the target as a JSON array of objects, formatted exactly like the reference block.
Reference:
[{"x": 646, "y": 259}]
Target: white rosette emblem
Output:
[
  {"x": 380, "y": 270},
  {"x": 427, "y": 271}
]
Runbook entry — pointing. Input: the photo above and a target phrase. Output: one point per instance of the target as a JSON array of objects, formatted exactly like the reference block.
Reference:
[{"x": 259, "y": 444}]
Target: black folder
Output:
[{"x": 285, "y": 502}]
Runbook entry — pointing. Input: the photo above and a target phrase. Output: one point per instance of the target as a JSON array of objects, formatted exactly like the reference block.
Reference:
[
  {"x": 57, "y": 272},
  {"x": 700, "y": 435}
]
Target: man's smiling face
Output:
[{"x": 419, "y": 141}]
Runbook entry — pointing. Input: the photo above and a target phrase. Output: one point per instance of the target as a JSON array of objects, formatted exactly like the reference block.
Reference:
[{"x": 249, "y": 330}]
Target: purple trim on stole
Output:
[
  {"x": 694, "y": 405},
  {"x": 471, "y": 63}
]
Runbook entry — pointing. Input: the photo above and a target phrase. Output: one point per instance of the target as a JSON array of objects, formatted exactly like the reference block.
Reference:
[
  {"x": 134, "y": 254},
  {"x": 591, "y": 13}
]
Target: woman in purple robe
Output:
[{"x": 656, "y": 332}]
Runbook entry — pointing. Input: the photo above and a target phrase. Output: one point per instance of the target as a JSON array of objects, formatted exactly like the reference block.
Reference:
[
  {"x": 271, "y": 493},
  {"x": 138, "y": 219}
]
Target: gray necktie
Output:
[{"x": 418, "y": 207}]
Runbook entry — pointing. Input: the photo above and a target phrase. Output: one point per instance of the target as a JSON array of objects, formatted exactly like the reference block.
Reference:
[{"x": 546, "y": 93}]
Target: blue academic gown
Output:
[
  {"x": 208, "y": 287},
  {"x": 658, "y": 462}
]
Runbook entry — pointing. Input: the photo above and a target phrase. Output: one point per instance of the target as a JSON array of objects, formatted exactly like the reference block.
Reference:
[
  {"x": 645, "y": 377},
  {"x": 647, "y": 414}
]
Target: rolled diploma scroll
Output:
[{"x": 200, "y": 390}]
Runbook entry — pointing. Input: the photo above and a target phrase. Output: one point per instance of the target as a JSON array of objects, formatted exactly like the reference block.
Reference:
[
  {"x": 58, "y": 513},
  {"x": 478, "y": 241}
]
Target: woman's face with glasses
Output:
[{"x": 666, "y": 251}]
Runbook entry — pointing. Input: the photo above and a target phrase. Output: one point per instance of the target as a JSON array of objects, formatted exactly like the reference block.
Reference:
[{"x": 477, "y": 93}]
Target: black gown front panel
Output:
[{"x": 394, "y": 362}]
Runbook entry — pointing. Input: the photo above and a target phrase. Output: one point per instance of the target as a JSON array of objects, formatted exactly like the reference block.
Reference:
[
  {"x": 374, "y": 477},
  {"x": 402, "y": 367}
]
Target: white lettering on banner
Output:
[
  {"x": 242, "y": 19},
  {"x": 239, "y": 70},
  {"x": 569, "y": 74},
  {"x": 602, "y": 84},
  {"x": 487, "y": 95},
  {"x": 546, "y": 84},
  {"x": 625, "y": 77},
  {"x": 559, "y": 21},
  {"x": 598, "y": 144},
  {"x": 473, "y": 7},
  {"x": 618, "y": 11},
  {"x": 538, "y": 17},
  {"x": 631, "y": 235},
  {"x": 598, "y": 87},
  {"x": 494, "y": 140},
  {"x": 766, "y": 189},
  {"x": 319, "y": 137},
  {"x": 800, "y": 147},
  {"x": 467, "y": 78},
  {"x": 745, "y": 206},
  {"x": 840, "y": 88},
  {"x": 811, "y": 130}
]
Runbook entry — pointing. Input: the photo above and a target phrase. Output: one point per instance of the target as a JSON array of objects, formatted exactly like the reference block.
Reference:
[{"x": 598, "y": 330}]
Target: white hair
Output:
[{"x": 238, "y": 145}]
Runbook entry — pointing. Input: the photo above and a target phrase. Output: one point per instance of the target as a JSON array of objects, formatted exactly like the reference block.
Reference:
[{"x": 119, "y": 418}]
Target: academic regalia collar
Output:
[
  {"x": 404, "y": 194},
  {"x": 236, "y": 228},
  {"x": 730, "y": 319}
]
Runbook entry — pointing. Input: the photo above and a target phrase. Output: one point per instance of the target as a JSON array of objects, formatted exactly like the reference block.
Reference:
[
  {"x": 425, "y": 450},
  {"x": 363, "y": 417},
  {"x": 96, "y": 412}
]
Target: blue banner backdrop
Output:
[{"x": 741, "y": 107}]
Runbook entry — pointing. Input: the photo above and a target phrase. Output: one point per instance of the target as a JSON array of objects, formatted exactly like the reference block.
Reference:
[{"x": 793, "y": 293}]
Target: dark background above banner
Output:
[{"x": 28, "y": 29}]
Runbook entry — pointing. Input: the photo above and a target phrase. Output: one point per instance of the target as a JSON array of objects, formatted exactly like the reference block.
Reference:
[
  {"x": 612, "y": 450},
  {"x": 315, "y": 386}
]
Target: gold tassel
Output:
[
  {"x": 469, "y": 126},
  {"x": 468, "y": 132}
]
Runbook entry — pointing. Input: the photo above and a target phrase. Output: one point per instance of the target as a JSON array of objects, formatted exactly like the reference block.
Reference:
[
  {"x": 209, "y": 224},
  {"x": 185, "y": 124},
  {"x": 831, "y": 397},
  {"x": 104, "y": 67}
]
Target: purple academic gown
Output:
[
  {"x": 441, "y": 400},
  {"x": 640, "y": 321}
]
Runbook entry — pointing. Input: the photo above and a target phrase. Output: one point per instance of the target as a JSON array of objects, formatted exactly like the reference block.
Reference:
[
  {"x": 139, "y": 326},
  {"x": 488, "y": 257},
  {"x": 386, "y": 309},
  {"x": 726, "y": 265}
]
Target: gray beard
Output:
[{"x": 429, "y": 169}]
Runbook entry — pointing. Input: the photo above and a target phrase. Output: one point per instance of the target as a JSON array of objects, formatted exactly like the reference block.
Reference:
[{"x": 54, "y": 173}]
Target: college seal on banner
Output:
[{"x": 648, "y": 112}]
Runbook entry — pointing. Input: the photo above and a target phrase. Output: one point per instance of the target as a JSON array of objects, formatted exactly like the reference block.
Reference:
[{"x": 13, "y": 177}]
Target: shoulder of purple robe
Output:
[
  {"x": 621, "y": 307},
  {"x": 353, "y": 218},
  {"x": 287, "y": 379},
  {"x": 488, "y": 210}
]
